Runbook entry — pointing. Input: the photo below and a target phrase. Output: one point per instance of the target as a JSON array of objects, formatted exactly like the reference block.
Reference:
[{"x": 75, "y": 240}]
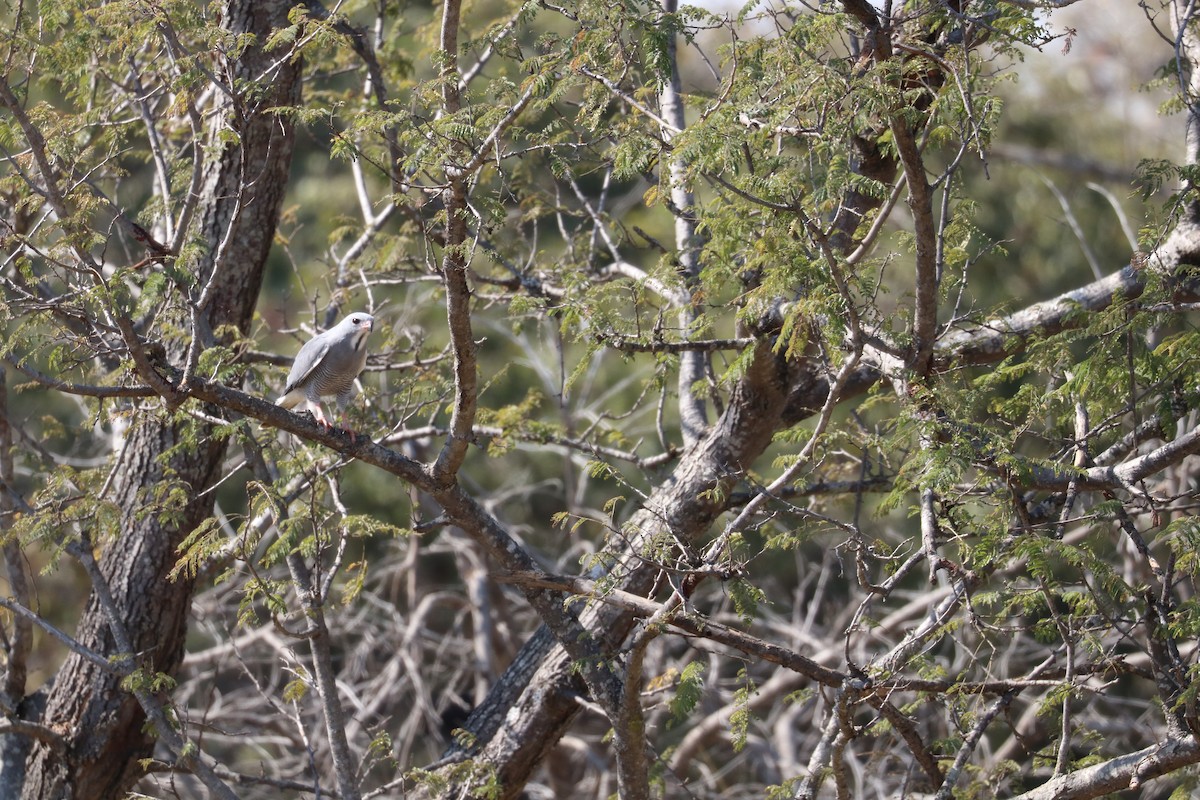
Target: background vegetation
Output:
[{"x": 787, "y": 400}]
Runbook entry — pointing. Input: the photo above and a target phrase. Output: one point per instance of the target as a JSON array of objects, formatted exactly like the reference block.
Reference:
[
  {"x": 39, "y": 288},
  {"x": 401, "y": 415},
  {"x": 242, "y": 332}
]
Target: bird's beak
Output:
[{"x": 369, "y": 325}]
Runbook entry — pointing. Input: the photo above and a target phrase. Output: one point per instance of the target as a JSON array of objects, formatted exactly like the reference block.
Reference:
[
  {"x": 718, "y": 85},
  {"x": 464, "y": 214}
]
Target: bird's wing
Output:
[{"x": 307, "y": 360}]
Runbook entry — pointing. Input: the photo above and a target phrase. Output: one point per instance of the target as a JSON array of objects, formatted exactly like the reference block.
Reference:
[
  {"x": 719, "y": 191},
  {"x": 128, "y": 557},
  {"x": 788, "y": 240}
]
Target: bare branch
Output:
[
  {"x": 1127, "y": 772},
  {"x": 454, "y": 271},
  {"x": 688, "y": 623}
]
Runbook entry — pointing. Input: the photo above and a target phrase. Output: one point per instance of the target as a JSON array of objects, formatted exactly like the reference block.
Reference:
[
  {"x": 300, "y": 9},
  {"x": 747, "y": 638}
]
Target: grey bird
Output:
[{"x": 327, "y": 366}]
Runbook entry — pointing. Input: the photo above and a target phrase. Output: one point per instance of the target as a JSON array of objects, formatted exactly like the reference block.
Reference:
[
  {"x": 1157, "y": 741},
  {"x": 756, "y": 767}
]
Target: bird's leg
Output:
[
  {"x": 322, "y": 420},
  {"x": 319, "y": 415},
  {"x": 345, "y": 425}
]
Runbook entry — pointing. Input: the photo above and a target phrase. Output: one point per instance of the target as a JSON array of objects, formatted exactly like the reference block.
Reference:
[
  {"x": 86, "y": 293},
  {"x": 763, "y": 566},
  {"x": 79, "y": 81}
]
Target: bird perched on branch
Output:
[{"x": 327, "y": 366}]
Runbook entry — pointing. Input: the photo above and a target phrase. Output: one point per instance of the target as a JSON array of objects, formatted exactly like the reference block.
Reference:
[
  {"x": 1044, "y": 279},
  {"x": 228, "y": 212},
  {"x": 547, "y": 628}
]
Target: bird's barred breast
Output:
[{"x": 326, "y": 381}]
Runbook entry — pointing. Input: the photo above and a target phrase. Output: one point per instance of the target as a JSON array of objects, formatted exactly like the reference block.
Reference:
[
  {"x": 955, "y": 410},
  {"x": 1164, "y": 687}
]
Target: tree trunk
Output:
[
  {"x": 235, "y": 219},
  {"x": 533, "y": 704}
]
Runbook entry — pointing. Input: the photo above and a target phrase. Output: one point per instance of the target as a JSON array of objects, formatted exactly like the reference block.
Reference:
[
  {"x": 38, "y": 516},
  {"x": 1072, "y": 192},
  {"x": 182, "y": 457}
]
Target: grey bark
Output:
[
  {"x": 1124, "y": 773},
  {"x": 531, "y": 721},
  {"x": 693, "y": 364}
]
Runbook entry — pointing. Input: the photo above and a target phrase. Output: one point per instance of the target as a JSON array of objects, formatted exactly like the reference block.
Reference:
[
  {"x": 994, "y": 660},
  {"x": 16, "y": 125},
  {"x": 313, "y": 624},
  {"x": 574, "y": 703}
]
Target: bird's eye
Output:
[{"x": 355, "y": 320}]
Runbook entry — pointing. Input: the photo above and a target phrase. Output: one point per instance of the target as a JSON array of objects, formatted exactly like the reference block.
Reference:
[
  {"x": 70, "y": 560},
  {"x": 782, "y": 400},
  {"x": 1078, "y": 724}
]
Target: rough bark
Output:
[
  {"x": 533, "y": 704},
  {"x": 1124, "y": 773},
  {"x": 235, "y": 219}
]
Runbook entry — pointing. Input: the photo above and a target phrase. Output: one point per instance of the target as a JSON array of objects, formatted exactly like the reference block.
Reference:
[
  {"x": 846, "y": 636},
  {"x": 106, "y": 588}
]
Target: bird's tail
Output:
[{"x": 290, "y": 400}]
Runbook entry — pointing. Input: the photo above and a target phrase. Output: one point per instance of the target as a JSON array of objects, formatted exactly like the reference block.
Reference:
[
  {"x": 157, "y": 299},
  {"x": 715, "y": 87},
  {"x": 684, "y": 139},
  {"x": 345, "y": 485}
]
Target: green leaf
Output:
[{"x": 688, "y": 691}]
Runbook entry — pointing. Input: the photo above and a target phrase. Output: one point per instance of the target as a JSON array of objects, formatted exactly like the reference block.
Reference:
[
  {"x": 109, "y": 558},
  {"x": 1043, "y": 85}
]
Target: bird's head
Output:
[
  {"x": 360, "y": 326},
  {"x": 362, "y": 321}
]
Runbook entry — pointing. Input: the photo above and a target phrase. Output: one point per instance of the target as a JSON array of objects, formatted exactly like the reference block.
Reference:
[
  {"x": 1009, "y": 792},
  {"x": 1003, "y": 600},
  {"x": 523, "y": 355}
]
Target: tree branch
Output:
[
  {"x": 693, "y": 366},
  {"x": 1127, "y": 772},
  {"x": 454, "y": 269},
  {"x": 690, "y": 623}
]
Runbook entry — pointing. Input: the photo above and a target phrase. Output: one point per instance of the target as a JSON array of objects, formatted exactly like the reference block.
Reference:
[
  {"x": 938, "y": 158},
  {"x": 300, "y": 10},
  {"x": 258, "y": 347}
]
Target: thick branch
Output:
[
  {"x": 454, "y": 271},
  {"x": 1127, "y": 772},
  {"x": 920, "y": 202},
  {"x": 693, "y": 414}
]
